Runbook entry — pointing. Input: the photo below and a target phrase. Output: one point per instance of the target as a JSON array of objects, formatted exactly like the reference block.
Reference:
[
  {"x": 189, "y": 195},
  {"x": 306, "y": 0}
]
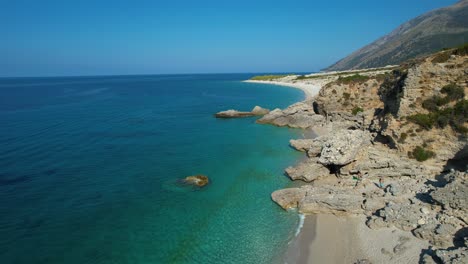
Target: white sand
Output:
[
  {"x": 311, "y": 88},
  {"x": 332, "y": 239}
]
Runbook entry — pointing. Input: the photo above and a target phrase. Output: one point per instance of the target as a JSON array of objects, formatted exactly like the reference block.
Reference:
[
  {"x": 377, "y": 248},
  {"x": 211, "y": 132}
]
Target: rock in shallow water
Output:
[
  {"x": 299, "y": 115},
  {"x": 197, "y": 180},
  {"x": 256, "y": 111}
]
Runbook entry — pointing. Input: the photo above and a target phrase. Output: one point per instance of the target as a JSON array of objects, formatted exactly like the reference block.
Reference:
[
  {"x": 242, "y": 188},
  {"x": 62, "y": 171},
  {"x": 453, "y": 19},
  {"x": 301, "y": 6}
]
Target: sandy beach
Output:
[
  {"x": 310, "y": 88},
  {"x": 326, "y": 238},
  {"x": 335, "y": 240}
]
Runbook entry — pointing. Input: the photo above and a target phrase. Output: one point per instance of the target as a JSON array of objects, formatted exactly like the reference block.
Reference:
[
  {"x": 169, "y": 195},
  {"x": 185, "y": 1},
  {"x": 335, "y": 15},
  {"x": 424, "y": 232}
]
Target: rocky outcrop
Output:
[
  {"x": 301, "y": 144},
  {"x": 342, "y": 147},
  {"x": 454, "y": 196},
  {"x": 308, "y": 170},
  {"x": 256, "y": 111},
  {"x": 331, "y": 200},
  {"x": 288, "y": 198},
  {"x": 197, "y": 180},
  {"x": 299, "y": 115}
]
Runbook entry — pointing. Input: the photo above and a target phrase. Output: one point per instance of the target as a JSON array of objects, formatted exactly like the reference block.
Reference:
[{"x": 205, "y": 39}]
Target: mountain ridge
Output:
[{"x": 427, "y": 33}]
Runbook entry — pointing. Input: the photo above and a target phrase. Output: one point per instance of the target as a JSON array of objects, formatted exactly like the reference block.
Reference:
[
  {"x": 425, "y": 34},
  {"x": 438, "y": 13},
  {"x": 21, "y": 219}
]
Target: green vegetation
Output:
[
  {"x": 268, "y": 77},
  {"x": 441, "y": 115},
  {"x": 346, "y": 96},
  {"x": 356, "y": 78},
  {"x": 426, "y": 121},
  {"x": 461, "y": 50},
  {"x": 421, "y": 154},
  {"x": 357, "y": 110},
  {"x": 445, "y": 55},
  {"x": 403, "y": 137},
  {"x": 441, "y": 57},
  {"x": 453, "y": 92}
]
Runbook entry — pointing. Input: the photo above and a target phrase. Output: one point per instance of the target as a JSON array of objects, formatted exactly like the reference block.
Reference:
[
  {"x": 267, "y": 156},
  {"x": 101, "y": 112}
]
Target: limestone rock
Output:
[
  {"x": 404, "y": 216},
  {"x": 232, "y": 114},
  {"x": 288, "y": 198},
  {"x": 299, "y": 115},
  {"x": 454, "y": 256},
  {"x": 301, "y": 144},
  {"x": 440, "y": 235},
  {"x": 331, "y": 200},
  {"x": 454, "y": 196},
  {"x": 256, "y": 111},
  {"x": 342, "y": 147},
  {"x": 197, "y": 180},
  {"x": 308, "y": 170}
]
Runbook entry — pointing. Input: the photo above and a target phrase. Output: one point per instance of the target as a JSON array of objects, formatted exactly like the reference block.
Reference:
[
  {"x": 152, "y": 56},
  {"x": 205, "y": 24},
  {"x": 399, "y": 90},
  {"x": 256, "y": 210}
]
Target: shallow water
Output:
[{"x": 89, "y": 170}]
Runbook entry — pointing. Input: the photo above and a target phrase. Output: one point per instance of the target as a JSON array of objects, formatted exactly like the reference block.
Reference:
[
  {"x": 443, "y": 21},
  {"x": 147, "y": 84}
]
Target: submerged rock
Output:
[
  {"x": 197, "y": 180},
  {"x": 256, "y": 111}
]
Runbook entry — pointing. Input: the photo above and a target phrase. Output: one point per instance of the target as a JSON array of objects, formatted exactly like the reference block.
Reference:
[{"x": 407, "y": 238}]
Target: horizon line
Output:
[{"x": 153, "y": 74}]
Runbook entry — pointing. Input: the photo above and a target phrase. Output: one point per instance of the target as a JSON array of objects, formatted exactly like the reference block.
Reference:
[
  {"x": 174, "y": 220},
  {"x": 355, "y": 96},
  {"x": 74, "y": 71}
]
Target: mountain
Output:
[{"x": 433, "y": 31}]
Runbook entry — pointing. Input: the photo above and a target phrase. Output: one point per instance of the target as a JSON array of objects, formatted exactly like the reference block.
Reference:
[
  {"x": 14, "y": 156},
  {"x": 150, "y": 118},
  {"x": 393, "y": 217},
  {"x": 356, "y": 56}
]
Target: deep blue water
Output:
[{"x": 89, "y": 170}]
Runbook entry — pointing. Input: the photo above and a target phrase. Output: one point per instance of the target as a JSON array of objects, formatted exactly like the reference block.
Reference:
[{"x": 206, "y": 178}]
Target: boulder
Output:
[
  {"x": 342, "y": 147},
  {"x": 308, "y": 170},
  {"x": 197, "y": 180}
]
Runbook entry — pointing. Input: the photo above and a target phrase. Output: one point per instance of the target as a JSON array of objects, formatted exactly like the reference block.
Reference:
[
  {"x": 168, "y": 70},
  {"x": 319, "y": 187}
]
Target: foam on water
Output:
[{"x": 300, "y": 224}]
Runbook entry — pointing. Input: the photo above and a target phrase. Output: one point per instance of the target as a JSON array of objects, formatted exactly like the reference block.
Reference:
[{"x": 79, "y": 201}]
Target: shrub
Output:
[
  {"x": 461, "y": 50},
  {"x": 426, "y": 121},
  {"x": 333, "y": 91},
  {"x": 441, "y": 57},
  {"x": 453, "y": 92},
  {"x": 433, "y": 103},
  {"x": 268, "y": 77},
  {"x": 346, "y": 96},
  {"x": 356, "y": 78},
  {"x": 421, "y": 154},
  {"x": 403, "y": 137},
  {"x": 357, "y": 110}
]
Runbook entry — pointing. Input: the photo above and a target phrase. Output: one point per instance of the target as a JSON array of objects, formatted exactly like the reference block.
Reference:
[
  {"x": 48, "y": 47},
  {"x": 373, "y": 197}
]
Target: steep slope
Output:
[{"x": 441, "y": 28}]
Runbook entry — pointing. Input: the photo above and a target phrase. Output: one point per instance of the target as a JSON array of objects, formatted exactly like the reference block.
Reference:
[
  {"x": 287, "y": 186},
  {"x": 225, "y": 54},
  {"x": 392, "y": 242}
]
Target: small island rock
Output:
[
  {"x": 198, "y": 180},
  {"x": 256, "y": 111}
]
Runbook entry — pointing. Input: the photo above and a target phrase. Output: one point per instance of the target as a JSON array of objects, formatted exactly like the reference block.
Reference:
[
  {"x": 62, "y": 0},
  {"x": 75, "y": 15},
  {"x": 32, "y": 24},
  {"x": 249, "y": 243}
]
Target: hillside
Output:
[{"x": 430, "y": 32}]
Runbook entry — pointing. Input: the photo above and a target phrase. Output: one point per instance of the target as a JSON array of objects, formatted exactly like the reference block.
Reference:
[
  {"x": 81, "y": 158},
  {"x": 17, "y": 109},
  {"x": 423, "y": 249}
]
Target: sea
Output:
[{"x": 91, "y": 169}]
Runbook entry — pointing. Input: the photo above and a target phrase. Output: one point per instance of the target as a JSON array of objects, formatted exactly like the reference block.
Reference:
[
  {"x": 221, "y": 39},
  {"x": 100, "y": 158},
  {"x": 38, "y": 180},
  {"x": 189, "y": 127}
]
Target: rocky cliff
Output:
[
  {"x": 441, "y": 28},
  {"x": 395, "y": 151}
]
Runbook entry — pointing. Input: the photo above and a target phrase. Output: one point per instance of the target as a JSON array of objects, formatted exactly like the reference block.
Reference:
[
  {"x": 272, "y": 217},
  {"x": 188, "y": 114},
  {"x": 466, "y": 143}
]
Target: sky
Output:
[{"x": 99, "y": 37}]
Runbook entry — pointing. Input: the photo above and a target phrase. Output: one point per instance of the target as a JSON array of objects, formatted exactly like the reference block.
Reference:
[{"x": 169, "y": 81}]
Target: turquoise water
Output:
[{"x": 89, "y": 170}]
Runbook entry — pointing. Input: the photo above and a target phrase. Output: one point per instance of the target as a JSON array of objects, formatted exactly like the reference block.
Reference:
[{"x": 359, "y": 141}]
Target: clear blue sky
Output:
[{"x": 50, "y": 38}]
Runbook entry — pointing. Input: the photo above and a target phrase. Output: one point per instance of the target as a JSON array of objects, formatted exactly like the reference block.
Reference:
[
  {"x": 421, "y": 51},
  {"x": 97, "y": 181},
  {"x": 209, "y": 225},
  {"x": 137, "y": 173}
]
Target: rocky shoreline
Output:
[{"x": 379, "y": 160}]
